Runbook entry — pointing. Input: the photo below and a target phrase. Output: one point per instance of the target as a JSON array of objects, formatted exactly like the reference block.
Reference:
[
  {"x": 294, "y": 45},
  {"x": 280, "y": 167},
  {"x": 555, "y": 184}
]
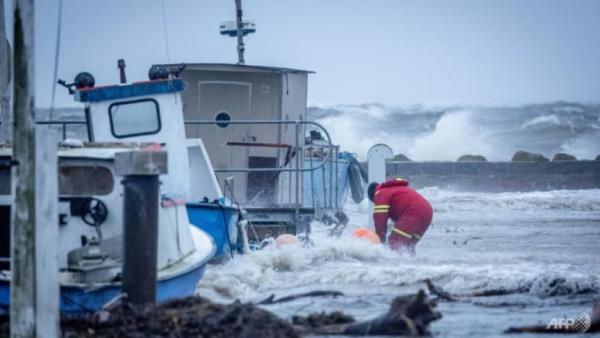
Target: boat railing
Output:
[{"x": 295, "y": 193}]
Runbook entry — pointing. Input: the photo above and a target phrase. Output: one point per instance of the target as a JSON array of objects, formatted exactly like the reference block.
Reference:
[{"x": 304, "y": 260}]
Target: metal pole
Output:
[
  {"x": 240, "y": 32},
  {"x": 324, "y": 183},
  {"x": 289, "y": 174},
  {"x": 140, "y": 216},
  {"x": 5, "y": 72},
  {"x": 330, "y": 150},
  {"x": 297, "y": 172},
  {"x": 337, "y": 181},
  {"x": 312, "y": 179}
]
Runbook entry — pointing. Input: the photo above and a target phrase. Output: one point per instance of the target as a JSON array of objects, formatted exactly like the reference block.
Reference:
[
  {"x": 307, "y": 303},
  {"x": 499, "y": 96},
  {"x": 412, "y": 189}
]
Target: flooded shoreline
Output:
[{"x": 542, "y": 242}]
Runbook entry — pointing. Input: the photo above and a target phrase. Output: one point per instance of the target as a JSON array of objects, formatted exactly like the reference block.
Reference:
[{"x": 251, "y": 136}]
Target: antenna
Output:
[
  {"x": 240, "y": 34},
  {"x": 238, "y": 28}
]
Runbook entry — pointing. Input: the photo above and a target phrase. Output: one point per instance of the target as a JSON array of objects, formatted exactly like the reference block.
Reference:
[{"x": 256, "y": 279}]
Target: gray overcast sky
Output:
[{"x": 396, "y": 52}]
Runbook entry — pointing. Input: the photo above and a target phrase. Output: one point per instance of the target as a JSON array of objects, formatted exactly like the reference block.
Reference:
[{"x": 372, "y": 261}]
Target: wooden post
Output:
[
  {"x": 34, "y": 266},
  {"x": 140, "y": 221},
  {"x": 5, "y": 71}
]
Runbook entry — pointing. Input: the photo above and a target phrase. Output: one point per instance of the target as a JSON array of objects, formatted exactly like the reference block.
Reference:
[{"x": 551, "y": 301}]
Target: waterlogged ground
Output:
[{"x": 544, "y": 242}]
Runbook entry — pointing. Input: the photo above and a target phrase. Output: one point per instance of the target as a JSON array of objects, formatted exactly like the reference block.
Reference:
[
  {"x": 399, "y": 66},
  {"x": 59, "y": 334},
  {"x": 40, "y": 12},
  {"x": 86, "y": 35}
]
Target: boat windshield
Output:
[{"x": 134, "y": 118}]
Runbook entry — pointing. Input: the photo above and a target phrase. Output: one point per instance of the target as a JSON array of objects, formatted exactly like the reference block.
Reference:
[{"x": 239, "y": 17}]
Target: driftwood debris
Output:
[
  {"x": 271, "y": 299},
  {"x": 189, "y": 317},
  {"x": 584, "y": 324},
  {"x": 408, "y": 316},
  {"x": 441, "y": 293}
]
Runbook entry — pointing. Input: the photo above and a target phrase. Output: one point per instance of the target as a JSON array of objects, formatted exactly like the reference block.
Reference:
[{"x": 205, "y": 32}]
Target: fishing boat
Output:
[
  {"x": 282, "y": 169},
  {"x": 122, "y": 117}
]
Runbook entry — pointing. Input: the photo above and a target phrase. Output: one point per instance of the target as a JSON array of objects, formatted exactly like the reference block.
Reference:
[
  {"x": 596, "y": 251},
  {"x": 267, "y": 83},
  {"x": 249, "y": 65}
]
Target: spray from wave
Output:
[
  {"x": 445, "y": 133},
  {"x": 453, "y": 135}
]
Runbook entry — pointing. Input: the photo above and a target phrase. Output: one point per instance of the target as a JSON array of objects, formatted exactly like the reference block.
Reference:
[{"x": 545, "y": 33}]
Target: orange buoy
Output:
[
  {"x": 286, "y": 239},
  {"x": 369, "y": 235}
]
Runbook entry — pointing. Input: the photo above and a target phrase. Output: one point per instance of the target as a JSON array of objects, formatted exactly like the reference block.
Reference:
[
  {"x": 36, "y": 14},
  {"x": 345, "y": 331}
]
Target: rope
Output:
[
  {"x": 164, "y": 17},
  {"x": 56, "y": 58}
]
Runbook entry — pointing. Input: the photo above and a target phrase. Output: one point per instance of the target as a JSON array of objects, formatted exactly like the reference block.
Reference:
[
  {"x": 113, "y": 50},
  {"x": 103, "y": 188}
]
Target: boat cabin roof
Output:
[{"x": 231, "y": 67}]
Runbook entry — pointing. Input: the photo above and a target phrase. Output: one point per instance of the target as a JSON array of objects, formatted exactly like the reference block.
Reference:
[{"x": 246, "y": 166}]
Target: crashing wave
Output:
[{"x": 440, "y": 133}]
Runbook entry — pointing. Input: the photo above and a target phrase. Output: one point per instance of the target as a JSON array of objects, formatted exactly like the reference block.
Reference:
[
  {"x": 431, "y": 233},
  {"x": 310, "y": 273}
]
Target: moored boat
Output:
[{"x": 138, "y": 116}]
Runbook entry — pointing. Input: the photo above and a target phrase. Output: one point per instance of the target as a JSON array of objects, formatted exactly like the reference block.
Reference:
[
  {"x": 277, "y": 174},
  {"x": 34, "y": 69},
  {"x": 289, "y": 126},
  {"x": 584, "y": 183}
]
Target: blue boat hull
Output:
[
  {"x": 220, "y": 222},
  {"x": 77, "y": 299}
]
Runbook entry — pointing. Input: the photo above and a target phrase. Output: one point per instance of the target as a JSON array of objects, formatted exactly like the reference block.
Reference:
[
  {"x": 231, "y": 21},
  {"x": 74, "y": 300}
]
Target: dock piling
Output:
[{"x": 141, "y": 170}]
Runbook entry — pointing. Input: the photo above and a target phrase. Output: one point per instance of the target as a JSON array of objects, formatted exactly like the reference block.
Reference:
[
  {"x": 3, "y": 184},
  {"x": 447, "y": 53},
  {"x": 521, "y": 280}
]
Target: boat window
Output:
[
  {"x": 89, "y": 180},
  {"x": 223, "y": 116},
  {"x": 134, "y": 118}
]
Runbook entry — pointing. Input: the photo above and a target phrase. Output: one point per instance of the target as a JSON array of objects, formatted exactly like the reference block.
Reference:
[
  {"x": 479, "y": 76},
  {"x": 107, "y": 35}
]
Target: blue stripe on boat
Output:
[{"x": 130, "y": 90}]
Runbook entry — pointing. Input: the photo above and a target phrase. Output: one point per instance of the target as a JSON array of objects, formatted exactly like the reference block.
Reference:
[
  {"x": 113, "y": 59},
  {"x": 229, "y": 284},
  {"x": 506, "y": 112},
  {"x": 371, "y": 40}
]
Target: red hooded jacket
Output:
[{"x": 410, "y": 212}]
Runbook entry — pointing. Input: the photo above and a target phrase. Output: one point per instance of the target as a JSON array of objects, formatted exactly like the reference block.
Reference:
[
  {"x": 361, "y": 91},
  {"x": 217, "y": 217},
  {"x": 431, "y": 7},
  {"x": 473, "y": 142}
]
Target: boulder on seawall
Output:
[
  {"x": 564, "y": 157},
  {"x": 401, "y": 158},
  {"x": 524, "y": 156},
  {"x": 472, "y": 158}
]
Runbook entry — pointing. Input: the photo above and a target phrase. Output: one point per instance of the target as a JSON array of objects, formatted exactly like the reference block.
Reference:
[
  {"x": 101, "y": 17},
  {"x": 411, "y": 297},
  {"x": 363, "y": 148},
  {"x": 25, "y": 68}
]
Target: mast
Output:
[
  {"x": 240, "y": 32},
  {"x": 5, "y": 71}
]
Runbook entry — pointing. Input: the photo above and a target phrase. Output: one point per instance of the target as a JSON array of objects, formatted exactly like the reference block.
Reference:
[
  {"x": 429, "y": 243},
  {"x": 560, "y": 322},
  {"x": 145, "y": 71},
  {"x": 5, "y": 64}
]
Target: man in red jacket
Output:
[{"x": 409, "y": 210}]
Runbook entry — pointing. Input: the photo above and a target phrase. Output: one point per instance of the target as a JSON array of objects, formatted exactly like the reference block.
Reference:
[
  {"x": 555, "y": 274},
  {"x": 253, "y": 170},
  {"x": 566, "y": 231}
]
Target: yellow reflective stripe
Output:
[
  {"x": 380, "y": 211},
  {"x": 406, "y": 234},
  {"x": 402, "y": 233},
  {"x": 381, "y": 207}
]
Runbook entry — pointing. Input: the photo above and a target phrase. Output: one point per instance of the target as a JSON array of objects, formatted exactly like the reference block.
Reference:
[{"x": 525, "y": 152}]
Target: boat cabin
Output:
[{"x": 226, "y": 93}]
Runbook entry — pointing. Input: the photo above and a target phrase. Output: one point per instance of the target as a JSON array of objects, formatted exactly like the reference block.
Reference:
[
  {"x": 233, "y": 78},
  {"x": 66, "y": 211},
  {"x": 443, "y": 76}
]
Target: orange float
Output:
[
  {"x": 285, "y": 240},
  {"x": 366, "y": 234}
]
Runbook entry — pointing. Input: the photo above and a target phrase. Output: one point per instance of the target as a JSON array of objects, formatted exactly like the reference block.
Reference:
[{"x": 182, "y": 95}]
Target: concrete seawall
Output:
[{"x": 499, "y": 176}]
